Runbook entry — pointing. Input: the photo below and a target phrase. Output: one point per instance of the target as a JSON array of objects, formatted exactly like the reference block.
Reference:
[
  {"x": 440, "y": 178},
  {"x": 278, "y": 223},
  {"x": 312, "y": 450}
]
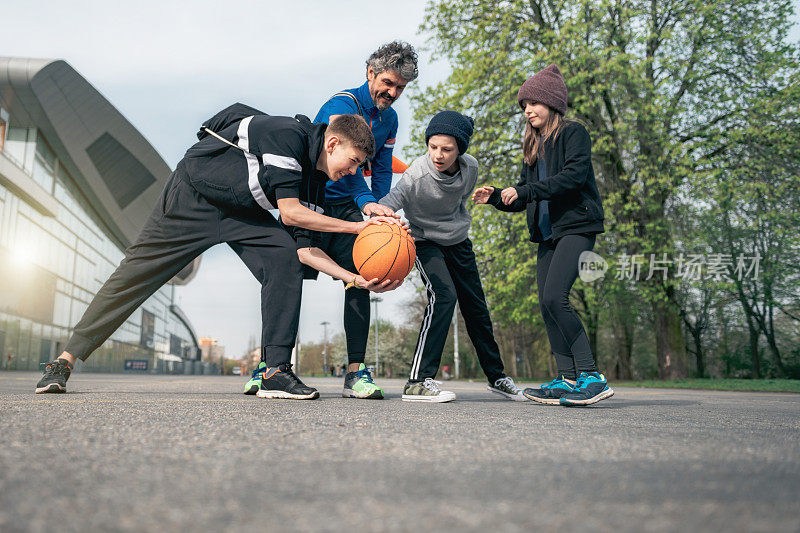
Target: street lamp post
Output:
[
  {"x": 456, "y": 359},
  {"x": 376, "y": 299},
  {"x": 325, "y": 348}
]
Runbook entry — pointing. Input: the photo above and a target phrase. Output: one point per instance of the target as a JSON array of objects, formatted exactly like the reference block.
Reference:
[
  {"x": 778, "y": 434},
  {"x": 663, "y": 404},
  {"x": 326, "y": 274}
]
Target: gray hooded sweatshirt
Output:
[{"x": 435, "y": 203}]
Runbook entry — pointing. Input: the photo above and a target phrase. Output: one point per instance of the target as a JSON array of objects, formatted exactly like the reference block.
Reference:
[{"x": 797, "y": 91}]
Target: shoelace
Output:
[
  {"x": 287, "y": 369},
  {"x": 551, "y": 384},
  {"x": 431, "y": 384},
  {"x": 509, "y": 383},
  {"x": 365, "y": 375},
  {"x": 56, "y": 367}
]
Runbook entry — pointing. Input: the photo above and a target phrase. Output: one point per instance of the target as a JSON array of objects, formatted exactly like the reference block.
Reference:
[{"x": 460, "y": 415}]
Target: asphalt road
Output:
[{"x": 191, "y": 453}]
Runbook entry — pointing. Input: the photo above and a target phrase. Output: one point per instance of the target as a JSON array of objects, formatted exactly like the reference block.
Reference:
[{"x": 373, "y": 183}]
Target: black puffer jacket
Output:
[{"x": 575, "y": 205}]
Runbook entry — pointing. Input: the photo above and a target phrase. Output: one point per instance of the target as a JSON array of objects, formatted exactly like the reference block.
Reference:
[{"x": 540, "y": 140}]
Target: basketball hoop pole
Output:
[{"x": 456, "y": 360}]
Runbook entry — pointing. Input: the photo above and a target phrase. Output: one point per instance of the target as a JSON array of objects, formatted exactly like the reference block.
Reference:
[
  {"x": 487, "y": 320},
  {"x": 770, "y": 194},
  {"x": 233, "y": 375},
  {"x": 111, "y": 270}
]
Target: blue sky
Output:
[{"x": 167, "y": 66}]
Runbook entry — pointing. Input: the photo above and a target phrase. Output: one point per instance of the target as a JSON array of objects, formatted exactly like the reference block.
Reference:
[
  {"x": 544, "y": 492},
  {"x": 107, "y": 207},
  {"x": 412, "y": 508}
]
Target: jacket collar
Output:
[
  {"x": 316, "y": 141},
  {"x": 364, "y": 98}
]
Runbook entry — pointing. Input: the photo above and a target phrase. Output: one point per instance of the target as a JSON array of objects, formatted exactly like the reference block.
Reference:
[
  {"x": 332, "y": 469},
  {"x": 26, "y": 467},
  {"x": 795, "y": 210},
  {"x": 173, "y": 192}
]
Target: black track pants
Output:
[
  {"x": 451, "y": 275},
  {"x": 183, "y": 225},
  {"x": 339, "y": 246},
  {"x": 556, "y": 271}
]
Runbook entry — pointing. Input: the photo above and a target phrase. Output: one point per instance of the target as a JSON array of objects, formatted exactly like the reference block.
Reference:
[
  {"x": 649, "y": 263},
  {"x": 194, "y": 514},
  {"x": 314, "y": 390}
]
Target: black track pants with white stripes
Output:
[
  {"x": 182, "y": 225},
  {"x": 451, "y": 275}
]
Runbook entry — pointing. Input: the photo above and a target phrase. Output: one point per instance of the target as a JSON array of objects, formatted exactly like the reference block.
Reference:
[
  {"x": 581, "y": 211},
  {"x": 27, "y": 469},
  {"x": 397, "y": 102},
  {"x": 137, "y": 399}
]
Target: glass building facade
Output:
[{"x": 53, "y": 261}]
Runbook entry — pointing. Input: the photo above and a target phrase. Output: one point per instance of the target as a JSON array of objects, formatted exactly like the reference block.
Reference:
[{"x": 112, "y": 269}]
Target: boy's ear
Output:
[{"x": 331, "y": 142}]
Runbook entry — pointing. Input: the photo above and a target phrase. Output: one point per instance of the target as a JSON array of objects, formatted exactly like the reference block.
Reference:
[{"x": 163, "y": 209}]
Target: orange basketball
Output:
[{"x": 384, "y": 251}]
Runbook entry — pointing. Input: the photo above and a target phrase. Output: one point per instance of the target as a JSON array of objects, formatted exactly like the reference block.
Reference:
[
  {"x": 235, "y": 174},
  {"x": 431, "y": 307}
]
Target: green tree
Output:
[
  {"x": 653, "y": 81},
  {"x": 752, "y": 185}
]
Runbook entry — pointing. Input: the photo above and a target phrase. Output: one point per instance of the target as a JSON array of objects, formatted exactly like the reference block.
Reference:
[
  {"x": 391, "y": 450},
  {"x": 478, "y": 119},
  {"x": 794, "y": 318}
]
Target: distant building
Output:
[
  {"x": 77, "y": 182},
  {"x": 211, "y": 350}
]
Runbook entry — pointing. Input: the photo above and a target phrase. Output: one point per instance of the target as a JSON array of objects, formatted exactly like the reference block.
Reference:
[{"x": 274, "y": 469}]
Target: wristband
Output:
[{"x": 351, "y": 284}]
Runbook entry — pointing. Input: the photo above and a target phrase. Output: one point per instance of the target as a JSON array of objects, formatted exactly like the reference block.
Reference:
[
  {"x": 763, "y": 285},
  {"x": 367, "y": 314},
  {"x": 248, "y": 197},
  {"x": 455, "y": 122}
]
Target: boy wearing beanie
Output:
[{"x": 433, "y": 194}]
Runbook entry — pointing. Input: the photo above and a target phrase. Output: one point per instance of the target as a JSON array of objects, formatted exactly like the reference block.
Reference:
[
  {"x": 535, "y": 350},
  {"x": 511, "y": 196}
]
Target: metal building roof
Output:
[{"x": 113, "y": 166}]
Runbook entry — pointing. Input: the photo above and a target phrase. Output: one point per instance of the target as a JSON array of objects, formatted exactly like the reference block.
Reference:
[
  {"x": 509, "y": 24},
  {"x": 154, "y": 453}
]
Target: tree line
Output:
[{"x": 693, "y": 111}]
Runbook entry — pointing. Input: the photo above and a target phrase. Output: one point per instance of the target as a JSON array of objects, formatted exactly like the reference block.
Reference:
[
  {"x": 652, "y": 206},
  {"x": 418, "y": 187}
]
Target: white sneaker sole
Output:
[
  {"x": 350, "y": 393},
  {"x": 516, "y": 397},
  {"x": 544, "y": 401},
  {"x": 283, "y": 395},
  {"x": 52, "y": 387},
  {"x": 602, "y": 396},
  {"x": 440, "y": 398}
]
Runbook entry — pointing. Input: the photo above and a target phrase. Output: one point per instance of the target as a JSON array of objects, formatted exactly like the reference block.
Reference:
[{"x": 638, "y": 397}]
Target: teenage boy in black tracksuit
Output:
[{"x": 245, "y": 163}]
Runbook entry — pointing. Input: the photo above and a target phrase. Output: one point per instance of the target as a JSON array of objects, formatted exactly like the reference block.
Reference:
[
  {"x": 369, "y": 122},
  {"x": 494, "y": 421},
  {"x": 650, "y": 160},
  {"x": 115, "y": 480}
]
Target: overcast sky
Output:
[{"x": 167, "y": 66}]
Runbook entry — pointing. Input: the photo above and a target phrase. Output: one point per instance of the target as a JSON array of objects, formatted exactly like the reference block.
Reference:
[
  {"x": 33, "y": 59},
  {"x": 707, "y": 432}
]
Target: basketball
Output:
[{"x": 384, "y": 251}]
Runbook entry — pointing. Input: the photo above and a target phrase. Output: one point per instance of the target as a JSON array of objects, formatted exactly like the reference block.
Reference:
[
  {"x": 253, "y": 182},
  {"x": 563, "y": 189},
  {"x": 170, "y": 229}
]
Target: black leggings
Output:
[{"x": 556, "y": 270}]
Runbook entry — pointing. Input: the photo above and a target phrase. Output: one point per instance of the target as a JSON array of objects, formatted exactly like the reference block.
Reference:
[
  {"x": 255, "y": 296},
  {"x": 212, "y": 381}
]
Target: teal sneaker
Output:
[
  {"x": 591, "y": 388},
  {"x": 254, "y": 384},
  {"x": 359, "y": 384},
  {"x": 550, "y": 393}
]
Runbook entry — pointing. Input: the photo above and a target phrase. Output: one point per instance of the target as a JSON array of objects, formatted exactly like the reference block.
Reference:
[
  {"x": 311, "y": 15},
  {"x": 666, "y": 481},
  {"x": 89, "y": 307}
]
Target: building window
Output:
[
  {"x": 20, "y": 147},
  {"x": 175, "y": 345},
  {"x": 3, "y": 126},
  {"x": 44, "y": 166},
  {"x": 147, "y": 338}
]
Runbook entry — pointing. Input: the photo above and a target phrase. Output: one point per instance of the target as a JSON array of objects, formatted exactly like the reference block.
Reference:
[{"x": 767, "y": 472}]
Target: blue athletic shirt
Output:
[{"x": 384, "y": 129}]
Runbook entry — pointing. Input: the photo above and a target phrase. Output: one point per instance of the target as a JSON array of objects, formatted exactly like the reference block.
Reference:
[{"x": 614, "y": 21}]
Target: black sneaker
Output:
[
  {"x": 550, "y": 393},
  {"x": 591, "y": 388},
  {"x": 281, "y": 382},
  {"x": 55, "y": 377}
]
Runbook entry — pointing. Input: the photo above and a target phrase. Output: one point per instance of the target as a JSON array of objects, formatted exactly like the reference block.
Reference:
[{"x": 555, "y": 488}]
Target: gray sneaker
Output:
[
  {"x": 506, "y": 387},
  {"x": 426, "y": 391}
]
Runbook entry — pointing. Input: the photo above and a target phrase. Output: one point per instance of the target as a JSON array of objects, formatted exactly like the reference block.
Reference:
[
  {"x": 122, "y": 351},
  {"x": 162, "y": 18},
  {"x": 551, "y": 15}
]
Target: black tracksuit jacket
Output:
[{"x": 570, "y": 187}]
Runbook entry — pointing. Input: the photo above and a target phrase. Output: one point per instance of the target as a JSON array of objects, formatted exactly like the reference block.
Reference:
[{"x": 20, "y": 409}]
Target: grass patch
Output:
[{"x": 753, "y": 385}]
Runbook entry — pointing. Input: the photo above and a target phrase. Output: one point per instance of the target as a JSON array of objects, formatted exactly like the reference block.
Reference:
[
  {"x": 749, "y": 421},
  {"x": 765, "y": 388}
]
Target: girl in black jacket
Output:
[{"x": 557, "y": 189}]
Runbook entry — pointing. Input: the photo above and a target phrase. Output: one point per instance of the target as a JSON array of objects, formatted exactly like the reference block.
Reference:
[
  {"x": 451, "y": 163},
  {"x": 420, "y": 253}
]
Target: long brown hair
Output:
[{"x": 535, "y": 138}]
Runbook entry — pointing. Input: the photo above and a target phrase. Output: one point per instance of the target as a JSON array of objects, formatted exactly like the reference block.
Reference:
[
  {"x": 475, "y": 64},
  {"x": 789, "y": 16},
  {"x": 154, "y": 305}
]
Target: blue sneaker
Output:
[
  {"x": 550, "y": 393},
  {"x": 591, "y": 388},
  {"x": 254, "y": 384}
]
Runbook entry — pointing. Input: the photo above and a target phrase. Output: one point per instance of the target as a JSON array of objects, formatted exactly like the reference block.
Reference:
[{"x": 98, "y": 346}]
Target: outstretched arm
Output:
[
  {"x": 293, "y": 213},
  {"x": 319, "y": 260},
  {"x": 493, "y": 196}
]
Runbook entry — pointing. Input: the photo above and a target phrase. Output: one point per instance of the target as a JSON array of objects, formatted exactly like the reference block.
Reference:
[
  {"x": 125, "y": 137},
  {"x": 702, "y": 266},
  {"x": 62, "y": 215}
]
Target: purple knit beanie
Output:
[{"x": 545, "y": 87}]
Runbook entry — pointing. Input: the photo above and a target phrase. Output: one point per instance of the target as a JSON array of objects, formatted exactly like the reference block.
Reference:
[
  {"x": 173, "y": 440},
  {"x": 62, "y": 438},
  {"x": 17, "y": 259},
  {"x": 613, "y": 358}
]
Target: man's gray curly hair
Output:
[{"x": 398, "y": 56}]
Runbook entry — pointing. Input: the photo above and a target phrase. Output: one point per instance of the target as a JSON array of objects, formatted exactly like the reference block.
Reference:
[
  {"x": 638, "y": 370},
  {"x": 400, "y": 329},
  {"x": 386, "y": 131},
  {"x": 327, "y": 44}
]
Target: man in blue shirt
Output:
[{"x": 389, "y": 69}]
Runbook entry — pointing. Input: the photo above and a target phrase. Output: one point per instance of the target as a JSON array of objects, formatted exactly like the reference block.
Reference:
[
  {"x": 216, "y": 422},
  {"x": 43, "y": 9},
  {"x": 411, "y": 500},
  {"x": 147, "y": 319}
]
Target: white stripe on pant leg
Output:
[
  {"x": 252, "y": 166},
  {"x": 426, "y": 321},
  {"x": 415, "y": 360}
]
